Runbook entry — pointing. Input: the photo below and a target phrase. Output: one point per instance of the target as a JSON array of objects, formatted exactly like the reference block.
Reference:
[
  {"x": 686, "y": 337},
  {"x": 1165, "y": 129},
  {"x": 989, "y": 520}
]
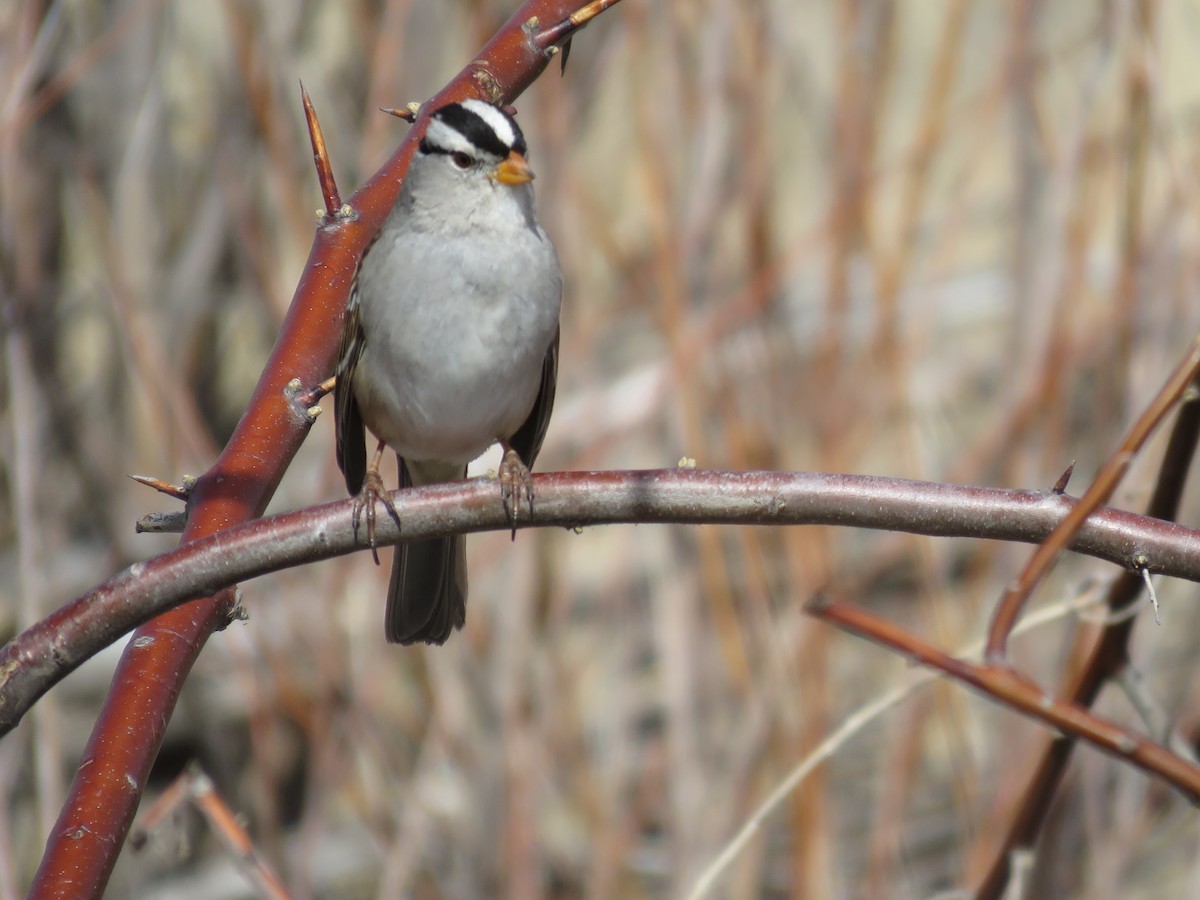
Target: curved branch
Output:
[{"x": 36, "y": 659}]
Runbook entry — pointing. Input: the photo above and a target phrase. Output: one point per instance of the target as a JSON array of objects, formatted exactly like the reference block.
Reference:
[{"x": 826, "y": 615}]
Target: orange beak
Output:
[{"x": 513, "y": 170}]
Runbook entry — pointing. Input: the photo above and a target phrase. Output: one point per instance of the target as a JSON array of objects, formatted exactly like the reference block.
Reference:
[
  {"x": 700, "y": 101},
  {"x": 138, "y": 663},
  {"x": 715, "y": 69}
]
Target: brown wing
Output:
[
  {"x": 527, "y": 440},
  {"x": 348, "y": 423}
]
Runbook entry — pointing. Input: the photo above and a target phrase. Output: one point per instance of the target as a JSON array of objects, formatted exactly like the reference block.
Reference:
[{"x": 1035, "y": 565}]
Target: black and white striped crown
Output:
[{"x": 473, "y": 127}]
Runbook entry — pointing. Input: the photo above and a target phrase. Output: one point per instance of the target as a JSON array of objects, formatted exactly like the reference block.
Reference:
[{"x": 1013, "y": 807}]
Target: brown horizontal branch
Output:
[
  {"x": 1007, "y": 686},
  {"x": 37, "y": 658}
]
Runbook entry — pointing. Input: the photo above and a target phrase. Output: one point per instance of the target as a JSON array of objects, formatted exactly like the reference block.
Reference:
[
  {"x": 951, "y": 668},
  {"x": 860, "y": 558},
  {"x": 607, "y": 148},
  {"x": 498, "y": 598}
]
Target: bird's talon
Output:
[
  {"x": 372, "y": 489},
  {"x": 516, "y": 484}
]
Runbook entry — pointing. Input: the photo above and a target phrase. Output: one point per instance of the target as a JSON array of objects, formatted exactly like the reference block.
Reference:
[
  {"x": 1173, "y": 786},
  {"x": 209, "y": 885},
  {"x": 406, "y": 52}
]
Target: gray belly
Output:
[{"x": 445, "y": 377}]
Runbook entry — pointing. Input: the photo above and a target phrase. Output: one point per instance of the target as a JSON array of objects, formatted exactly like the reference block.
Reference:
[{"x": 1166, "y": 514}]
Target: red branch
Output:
[
  {"x": 92, "y": 827},
  {"x": 1006, "y": 686}
]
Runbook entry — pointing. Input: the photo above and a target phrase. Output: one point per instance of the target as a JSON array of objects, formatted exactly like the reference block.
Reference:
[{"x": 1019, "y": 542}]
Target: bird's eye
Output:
[{"x": 462, "y": 160}]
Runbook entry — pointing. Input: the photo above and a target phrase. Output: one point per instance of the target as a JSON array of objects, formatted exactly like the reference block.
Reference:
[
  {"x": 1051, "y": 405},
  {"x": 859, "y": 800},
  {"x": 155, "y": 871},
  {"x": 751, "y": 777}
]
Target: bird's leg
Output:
[
  {"x": 373, "y": 489},
  {"x": 516, "y": 484}
]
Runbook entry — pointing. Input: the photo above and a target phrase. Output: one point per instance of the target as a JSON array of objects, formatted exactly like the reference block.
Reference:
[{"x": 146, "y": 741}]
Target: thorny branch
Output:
[
  {"x": 92, "y": 826},
  {"x": 37, "y": 658}
]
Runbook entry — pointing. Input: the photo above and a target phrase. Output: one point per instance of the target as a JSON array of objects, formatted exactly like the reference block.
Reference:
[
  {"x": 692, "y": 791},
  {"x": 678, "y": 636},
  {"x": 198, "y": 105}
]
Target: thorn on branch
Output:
[
  {"x": 179, "y": 492},
  {"x": 1060, "y": 486},
  {"x": 329, "y": 190},
  {"x": 559, "y": 35},
  {"x": 1144, "y": 571},
  {"x": 408, "y": 112},
  {"x": 566, "y": 52}
]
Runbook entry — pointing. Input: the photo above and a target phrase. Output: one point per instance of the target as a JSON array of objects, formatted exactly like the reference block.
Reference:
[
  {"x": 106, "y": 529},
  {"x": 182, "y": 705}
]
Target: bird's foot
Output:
[
  {"x": 373, "y": 489},
  {"x": 516, "y": 487}
]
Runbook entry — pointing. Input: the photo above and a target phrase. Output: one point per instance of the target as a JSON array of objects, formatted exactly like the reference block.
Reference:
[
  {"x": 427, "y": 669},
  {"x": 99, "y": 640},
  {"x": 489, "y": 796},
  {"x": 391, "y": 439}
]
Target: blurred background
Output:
[{"x": 934, "y": 239}]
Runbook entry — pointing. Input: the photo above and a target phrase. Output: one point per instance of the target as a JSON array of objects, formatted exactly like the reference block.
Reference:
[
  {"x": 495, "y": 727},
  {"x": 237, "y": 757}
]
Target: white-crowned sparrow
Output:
[{"x": 450, "y": 344}]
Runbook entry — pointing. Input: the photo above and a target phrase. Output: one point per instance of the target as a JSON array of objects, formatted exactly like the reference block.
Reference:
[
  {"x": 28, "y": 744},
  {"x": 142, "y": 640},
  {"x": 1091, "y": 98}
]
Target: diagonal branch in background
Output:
[
  {"x": 1106, "y": 481},
  {"x": 33, "y": 661},
  {"x": 1107, "y": 657},
  {"x": 83, "y": 847},
  {"x": 195, "y": 787},
  {"x": 1003, "y": 684}
]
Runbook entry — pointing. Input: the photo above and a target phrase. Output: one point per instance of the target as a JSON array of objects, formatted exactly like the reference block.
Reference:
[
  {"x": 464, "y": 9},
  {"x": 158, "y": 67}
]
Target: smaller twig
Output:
[
  {"x": 307, "y": 398},
  {"x": 1149, "y": 710},
  {"x": 563, "y": 31},
  {"x": 1008, "y": 611},
  {"x": 195, "y": 786},
  {"x": 162, "y": 523},
  {"x": 179, "y": 492},
  {"x": 329, "y": 190},
  {"x": 1110, "y": 617},
  {"x": 171, "y": 799},
  {"x": 1007, "y": 686}
]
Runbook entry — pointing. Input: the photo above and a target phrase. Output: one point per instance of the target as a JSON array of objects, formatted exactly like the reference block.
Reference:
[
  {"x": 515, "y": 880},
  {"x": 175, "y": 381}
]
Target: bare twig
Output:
[
  {"x": 1006, "y": 686},
  {"x": 194, "y": 786},
  {"x": 162, "y": 523}
]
